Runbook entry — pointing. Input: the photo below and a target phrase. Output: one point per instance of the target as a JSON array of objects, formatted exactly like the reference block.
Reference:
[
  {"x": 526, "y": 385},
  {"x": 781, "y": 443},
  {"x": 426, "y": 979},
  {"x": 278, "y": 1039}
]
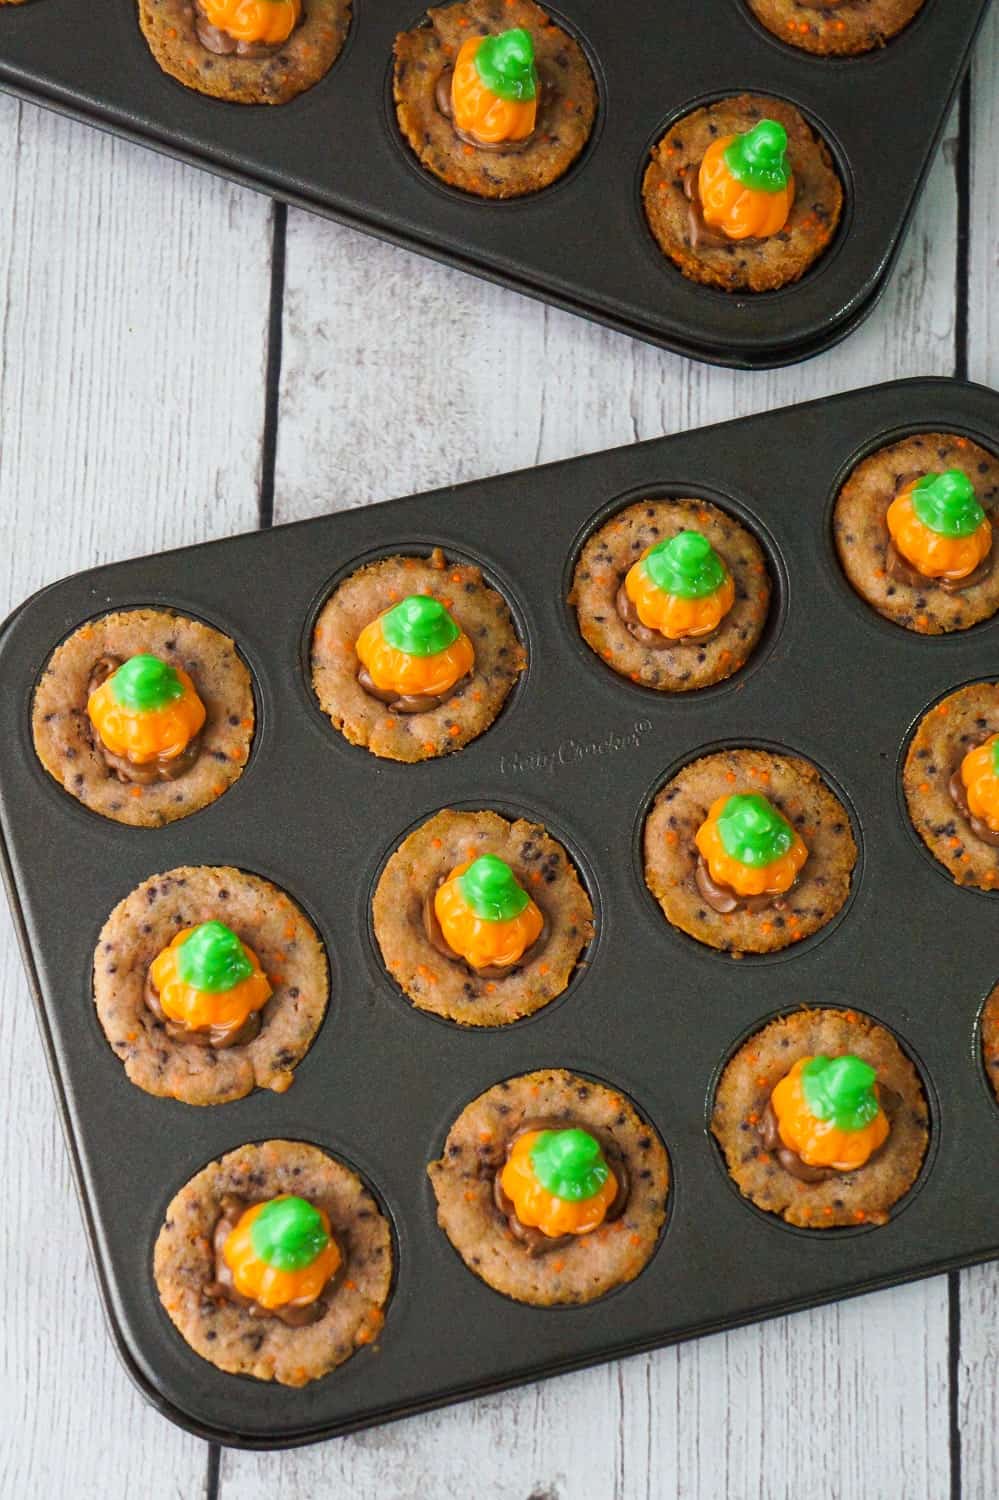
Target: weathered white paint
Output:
[{"x": 133, "y": 300}]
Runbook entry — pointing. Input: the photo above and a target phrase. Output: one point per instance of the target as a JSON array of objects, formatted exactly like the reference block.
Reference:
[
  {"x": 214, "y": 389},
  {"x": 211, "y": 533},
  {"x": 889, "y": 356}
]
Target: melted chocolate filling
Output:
[
  {"x": 219, "y": 1037},
  {"x": 534, "y": 1240},
  {"x": 959, "y": 796},
  {"x": 223, "y": 1288},
  {"x": 410, "y": 703},
  {"x": 702, "y": 235},
  {"x": 215, "y": 39},
  {"x": 436, "y": 938},
  {"x": 628, "y": 614},
  {"x": 442, "y": 98},
  {"x": 163, "y": 768},
  {"x": 770, "y": 1137},
  {"x": 722, "y": 898}
]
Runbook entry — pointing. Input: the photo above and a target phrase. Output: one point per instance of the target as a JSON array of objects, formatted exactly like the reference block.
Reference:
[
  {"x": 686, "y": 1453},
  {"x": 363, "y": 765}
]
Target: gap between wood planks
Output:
[{"x": 265, "y": 516}]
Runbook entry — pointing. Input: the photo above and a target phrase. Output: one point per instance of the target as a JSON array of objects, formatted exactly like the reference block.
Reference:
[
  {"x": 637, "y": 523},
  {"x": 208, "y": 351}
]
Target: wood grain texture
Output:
[
  {"x": 766, "y": 1413},
  {"x": 133, "y": 305},
  {"x": 983, "y": 248},
  {"x": 978, "y": 1365}
]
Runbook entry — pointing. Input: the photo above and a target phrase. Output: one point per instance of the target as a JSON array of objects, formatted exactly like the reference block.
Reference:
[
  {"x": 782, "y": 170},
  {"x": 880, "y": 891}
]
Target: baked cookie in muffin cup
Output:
[
  {"x": 479, "y": 919},
  {"x": 835, "y": 28},
  {"x": 246, "y": 51},
  {"x": 493, "y": 97},
  {"x": 742, "y": 194},
  {"x": 414, "y": 657},
  {"x": 208, "y": 983},
  {"x": 914, "y": 529},
  {"x": 822, "y": 1119},
  {"x": 552, "y": 1188},
  {"x": 275, "y": 1262},
  {"x": 951, "y": 782},
  {"x": 144, "y": 716},
  {"x": 748, "y": 851},
  {"x": 672, "y": 594}
]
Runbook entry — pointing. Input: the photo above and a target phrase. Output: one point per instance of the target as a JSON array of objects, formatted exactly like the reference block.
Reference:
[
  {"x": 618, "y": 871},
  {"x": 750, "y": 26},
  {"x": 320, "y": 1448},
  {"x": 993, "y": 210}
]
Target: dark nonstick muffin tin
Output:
[
  {"x": 653, "y": 1013},
  {"x": 584, "y": 243}
]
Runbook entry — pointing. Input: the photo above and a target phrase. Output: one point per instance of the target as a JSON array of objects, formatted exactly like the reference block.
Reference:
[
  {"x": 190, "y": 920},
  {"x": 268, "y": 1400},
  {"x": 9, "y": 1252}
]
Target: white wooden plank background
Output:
[{"x": 131, "y": 420}]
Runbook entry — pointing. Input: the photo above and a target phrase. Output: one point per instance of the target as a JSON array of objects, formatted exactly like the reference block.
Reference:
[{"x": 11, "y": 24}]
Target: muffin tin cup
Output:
[
  {"x": 653, "y": 1014},
  {"x": 583, "y": 244}
]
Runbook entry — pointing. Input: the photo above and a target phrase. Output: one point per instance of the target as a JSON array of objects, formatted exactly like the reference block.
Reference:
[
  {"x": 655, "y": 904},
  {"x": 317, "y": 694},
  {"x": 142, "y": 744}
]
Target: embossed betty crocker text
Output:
[{"x": 571, "y": 750}]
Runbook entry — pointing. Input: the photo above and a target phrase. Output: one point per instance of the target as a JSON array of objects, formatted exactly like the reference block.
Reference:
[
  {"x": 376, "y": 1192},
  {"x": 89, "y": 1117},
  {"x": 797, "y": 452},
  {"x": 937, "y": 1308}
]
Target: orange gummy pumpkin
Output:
[
  {"x": 820, "y": 1143},
  {"x": 929, "y": 552},
  {"x": 981, "y": 782},
  {"x": 746, "y": 880},
  {"x": 395, "y": 671},
  {"x": 479, "y": 112},
  {"x": 199, "y": 1009},
  {"x": 141, "y": 737},
  {"x": 483, "y": 943},
  {"x": 539, "y": 1209},
  {"x": 740, "y": 212},
  {"x": 267, "y": 1285},
  {"x": 268, "y": 21},
  {"x": 676, "y": 618}
]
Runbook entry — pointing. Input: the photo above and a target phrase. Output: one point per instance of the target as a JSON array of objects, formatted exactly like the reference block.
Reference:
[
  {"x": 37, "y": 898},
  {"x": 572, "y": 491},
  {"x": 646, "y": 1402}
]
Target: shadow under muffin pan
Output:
[
  {"x": 653, "y": 1016},
  {"x": 583, "y": 244}
]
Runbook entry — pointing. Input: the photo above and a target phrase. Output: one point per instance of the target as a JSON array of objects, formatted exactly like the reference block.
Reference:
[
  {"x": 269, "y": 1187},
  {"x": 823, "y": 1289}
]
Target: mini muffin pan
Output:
[
  {"x": 652, "y": 1012},
  {"x": 584, "y": 243}
]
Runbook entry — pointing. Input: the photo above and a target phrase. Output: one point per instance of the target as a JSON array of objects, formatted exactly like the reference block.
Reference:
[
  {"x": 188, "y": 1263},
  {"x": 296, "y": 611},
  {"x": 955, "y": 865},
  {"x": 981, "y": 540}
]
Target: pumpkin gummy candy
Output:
[
  {"x": 681, "y": 587},
  {"x": 494, "y": 88},
  {"x": 207, "y": 978},
  {"x": 262, "y": 22},
  {"x": 485, "y": 915},
  {"x": 749, "y": 847},
  {"x": 939, "y": 527},
  {"x": 979, "y": 771},
  {"x": 828, "y": 1112},
  {"x": 558, "y": 1181},
  {"x": 282, "y": 1253},
  {"x": 745, "y": 183},
  {"x": 146, "y": 710},
  {"x": 415, "y": 649}
]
